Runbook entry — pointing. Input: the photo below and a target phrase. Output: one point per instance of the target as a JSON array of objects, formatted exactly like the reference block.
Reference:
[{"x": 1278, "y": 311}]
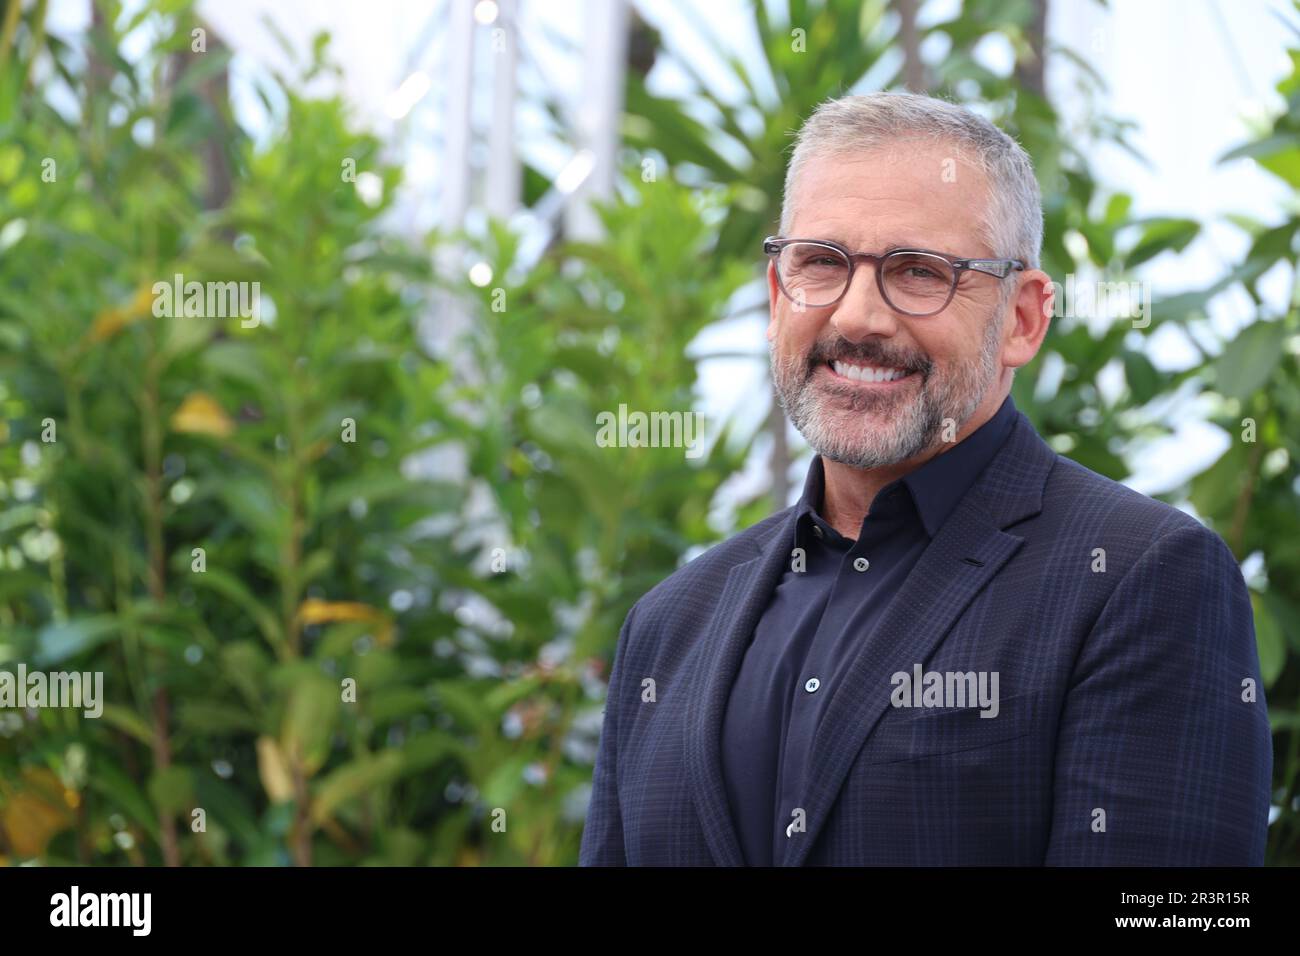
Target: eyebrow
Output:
[
  {"x": 912, "y": 245},
  {"x": 889, "y": 248}
]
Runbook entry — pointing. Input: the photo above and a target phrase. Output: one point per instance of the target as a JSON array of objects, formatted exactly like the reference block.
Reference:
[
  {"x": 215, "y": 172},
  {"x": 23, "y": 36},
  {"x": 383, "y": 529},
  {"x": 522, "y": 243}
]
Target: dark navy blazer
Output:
[
  {"x": 1127, "y": 733},
  {"x": 825, "y": 605}
]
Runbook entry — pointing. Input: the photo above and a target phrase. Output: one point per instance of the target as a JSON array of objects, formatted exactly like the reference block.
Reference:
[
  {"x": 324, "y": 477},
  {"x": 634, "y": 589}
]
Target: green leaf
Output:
[
  {"x": 427, "y": 749},
  {"x": 205, "y": 717},
  {"x": 226, "y": 805},
  {"x": 1249, "y": 359},
  {"x": 122, "y": 794},
  {"x": 58, "y": 642},
  {"x": 1215, "y": 490},
  {"x": 463, "y": 699},
  {"x": 202, "y": 68},
  {"x": 396, "y": 703},
  {"x": 1279, "y": 154},
  {"x": 185, "y": 335},
  {"x": 1280, "y": 720},
  {"x": 234, "y": 590},
  {"x": 1117, "y": 208},
  {"x": 1159, "y": 236},
  {"x": 1143, "y": 379},
  {"x": 509, "y": 693},
  {"x": 1268, "y": 640},
  {"x": 503, "y": 784},
  {"x": 351, "y": 781},
  {"x": 246, "y": 666},
  {"x": 129, "y": 722},
  {"x": 1286, "y": 615},
  {"x": 254, "y": 505},
  {"x": 239, "y": 362},
  {"x": 314, "y": 565},
  {"x": 172, "y": 789},
  {"x": 309, "y": 719}
]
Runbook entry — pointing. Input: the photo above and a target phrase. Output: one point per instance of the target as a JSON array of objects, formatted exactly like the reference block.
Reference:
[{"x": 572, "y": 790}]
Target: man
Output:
[{"x": 958, "y": 648}]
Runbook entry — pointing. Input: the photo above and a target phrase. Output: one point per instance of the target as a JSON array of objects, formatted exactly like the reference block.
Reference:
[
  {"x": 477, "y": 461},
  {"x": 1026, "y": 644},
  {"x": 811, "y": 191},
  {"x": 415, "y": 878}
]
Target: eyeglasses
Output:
[{"x": 815, "y": 273}]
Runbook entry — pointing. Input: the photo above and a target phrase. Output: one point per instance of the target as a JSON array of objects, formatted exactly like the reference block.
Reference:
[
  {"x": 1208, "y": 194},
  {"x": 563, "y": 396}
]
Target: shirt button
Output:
[
  {"x": 861, "y": 564},
  {"x": 818, "y": 531},
  {"x": 812, "y": 685}
]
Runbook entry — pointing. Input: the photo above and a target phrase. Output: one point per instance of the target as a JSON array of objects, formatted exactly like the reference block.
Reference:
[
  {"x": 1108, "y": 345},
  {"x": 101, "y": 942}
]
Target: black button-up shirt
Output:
[{"x": 822, "y": 610}]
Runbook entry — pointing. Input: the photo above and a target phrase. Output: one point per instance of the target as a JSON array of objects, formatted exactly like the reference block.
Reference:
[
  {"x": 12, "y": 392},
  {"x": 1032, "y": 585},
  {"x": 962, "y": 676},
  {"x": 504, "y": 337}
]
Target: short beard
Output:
[{"x": 950, "y": 397}]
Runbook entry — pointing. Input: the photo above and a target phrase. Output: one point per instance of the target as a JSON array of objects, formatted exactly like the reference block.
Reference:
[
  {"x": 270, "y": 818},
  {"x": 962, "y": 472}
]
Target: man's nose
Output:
[{"x": 863, "y": 311}]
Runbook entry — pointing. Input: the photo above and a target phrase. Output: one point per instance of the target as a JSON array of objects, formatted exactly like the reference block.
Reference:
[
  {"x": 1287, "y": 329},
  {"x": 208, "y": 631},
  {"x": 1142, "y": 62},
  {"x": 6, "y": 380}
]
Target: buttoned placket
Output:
[{"x": 813, "y": 692}]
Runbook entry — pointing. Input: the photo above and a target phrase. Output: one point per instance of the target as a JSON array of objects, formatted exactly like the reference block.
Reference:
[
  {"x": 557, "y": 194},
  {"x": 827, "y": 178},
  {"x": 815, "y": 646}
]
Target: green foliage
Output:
[
  {"x": 585, "y": 530},
  {"x": 366, "y": 665},
  {"x": 1249, "y": 494},
  {"x": 335, "y": 677},
  {"x": 134, "y": 439}
]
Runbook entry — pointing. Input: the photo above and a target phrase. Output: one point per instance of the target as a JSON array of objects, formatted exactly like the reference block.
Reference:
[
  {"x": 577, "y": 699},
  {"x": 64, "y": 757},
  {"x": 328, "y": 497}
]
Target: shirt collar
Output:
[{"x": 937, "y": 485}]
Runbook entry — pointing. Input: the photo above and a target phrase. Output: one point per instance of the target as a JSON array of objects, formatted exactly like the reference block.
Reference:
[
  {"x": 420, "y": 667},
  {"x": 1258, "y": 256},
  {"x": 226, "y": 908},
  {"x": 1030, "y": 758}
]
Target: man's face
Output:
[{"x": 871, "y": 202}]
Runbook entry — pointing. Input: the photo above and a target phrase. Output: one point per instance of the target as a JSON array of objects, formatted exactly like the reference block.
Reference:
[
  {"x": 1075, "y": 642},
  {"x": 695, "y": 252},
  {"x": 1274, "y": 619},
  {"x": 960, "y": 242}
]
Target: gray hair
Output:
[{"x": 1012, "y": 223}]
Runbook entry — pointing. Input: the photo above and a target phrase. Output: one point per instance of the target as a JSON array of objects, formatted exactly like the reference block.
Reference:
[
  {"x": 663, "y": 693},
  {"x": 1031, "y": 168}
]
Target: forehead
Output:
[{"x": 918, "y": 193}]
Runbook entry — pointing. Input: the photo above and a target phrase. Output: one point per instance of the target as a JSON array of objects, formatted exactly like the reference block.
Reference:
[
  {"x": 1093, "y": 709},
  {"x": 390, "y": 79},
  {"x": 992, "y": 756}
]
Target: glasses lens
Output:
[
  {"x": 812, "y": 275},
  {"x": 916, "y": 282}
]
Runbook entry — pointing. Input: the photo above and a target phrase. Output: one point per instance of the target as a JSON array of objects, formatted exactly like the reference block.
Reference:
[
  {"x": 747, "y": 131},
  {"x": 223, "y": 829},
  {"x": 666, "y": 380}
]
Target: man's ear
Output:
[
  {"x": 1031, "y": 314},
  {"x": 773, "y": 292}
]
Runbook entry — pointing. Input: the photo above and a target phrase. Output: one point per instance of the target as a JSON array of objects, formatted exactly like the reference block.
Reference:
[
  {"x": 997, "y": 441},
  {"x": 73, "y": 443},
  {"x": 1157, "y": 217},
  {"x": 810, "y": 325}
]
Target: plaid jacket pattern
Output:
[{"x": 1132, "y": 727}]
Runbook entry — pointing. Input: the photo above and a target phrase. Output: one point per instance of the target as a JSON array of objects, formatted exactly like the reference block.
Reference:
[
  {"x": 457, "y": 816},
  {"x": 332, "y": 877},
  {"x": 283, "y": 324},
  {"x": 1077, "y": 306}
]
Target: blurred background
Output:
[{"x": 354, "y": 574}]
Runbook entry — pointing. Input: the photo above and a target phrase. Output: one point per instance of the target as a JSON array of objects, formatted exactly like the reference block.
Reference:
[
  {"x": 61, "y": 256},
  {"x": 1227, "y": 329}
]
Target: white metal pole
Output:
[
  {"x": 460, "y": 93},
  {"x": 503, "y": 181},
  {"x": 599, "y": 110},
  {"x": 449, "y": 317}
]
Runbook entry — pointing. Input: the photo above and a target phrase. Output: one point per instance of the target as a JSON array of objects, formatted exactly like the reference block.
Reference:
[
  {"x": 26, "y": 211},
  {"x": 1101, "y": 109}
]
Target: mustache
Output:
[{"x": 867, "y": 353}]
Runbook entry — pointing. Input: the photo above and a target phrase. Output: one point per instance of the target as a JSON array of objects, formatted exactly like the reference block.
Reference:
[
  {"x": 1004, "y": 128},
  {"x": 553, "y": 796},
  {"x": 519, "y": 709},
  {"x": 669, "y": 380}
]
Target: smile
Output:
[{"x": 868, "y": 374}]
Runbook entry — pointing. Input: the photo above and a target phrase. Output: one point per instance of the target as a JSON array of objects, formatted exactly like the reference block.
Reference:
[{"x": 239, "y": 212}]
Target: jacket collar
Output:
[{"x": 935, "y": 487}]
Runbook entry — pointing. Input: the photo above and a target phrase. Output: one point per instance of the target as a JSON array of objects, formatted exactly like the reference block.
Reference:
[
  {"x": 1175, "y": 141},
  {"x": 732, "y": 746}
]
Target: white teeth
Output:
[{"x": 867, "y": 373}]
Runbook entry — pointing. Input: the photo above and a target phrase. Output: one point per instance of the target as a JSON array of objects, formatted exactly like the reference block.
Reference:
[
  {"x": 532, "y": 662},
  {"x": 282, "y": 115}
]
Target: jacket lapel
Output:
[
  {"x": 968, "y": 551},
  {"x": 964, "y": 556},
  {"x": 745, "y": 595}
]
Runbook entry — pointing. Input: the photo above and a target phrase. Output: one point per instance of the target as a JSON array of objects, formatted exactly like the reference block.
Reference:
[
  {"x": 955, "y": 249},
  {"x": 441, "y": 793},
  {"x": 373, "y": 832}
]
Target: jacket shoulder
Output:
[
  {"x": 1089, "y": 498},
  {"x": 707, "y": 572}
]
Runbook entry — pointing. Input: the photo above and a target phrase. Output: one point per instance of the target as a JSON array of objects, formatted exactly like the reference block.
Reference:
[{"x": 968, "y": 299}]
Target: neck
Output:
[{"x": 848, "y": 492}]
